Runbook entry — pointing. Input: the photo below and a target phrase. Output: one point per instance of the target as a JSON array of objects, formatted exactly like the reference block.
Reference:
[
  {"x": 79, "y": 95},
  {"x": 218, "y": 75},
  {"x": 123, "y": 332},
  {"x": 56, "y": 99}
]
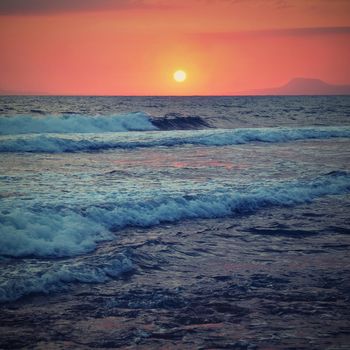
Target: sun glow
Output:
[{"x": 180, "y": 76}]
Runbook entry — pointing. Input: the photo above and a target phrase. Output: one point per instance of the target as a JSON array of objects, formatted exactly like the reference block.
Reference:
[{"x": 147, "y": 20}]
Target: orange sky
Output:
[{"x": 132, "y": 47}]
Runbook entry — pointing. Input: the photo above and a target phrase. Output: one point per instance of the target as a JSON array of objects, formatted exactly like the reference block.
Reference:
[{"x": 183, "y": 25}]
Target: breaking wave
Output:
[
  {"x": 46, "y": 279},
  {"x": 74, "y": 123},
  {"x": 55, "y": 143},
  {"x": 60, "y": 231}
]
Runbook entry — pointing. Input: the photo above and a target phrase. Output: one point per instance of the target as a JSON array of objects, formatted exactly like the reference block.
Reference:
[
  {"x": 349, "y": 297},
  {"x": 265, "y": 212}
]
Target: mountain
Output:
[{"x": 304, "y": 86}]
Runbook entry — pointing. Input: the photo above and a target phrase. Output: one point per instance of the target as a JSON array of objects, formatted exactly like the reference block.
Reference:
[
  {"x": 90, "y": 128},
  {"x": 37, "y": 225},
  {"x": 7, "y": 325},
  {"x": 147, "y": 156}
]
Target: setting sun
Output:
[{"x": 179, "y": 76}]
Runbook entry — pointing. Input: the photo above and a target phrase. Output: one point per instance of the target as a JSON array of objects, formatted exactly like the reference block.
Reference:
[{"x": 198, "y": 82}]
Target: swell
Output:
[
  {"x": 61, "y": 231},
  {"x": 74, "y": 123},
  {"x": 56, "y": 143},
  {"x": 177, "y": 121},
  {"x": 54, "y": 277},
  {"x": 79, "y": 123}
]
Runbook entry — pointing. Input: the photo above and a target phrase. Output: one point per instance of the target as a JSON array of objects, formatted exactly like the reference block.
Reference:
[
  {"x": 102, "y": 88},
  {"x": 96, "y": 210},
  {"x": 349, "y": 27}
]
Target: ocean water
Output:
[{"x": 92, "y": 187}]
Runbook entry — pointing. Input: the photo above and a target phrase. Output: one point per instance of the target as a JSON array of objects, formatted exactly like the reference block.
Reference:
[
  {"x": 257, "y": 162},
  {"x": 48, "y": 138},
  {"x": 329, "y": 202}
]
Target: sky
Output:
[{"x": 133, "y": 47}]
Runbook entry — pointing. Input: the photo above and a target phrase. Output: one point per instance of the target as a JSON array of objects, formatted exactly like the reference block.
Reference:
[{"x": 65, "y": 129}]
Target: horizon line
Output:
[{"x": 146, "y": 95}]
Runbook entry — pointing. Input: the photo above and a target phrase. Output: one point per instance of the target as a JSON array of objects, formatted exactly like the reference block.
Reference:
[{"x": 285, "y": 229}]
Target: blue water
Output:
[{"x": 75, "y": 172}]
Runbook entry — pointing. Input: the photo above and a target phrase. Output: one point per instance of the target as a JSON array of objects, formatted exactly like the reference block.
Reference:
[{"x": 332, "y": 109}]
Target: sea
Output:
[{"x": 175, "y": 222}]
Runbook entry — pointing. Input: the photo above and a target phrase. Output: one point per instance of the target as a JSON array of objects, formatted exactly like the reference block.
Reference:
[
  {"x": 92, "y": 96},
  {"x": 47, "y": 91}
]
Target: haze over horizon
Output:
[
  {"x": 296, "y": 86},
  {"x": 133, "y": 47}
]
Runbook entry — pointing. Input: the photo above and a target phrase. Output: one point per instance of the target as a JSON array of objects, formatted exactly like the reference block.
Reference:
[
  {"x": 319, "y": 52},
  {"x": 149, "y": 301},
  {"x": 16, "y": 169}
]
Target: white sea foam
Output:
[
  {"x": 48, "y": 232},
  {"x": 67, "y": 232},
  {"x": 55, "y": 143},
  {"x": 52, "y": 278},
  {"x": 74, "y": 123}
]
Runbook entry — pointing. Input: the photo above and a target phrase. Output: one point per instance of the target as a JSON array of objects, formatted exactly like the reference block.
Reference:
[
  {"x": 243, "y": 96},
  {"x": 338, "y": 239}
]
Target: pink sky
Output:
[{"x": 132, "y": 47}]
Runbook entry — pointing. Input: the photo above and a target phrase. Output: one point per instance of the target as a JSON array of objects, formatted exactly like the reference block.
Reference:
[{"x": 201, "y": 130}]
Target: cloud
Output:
[
  {"x": 309, "y": 31},
  {"x": 39, "y": 7},
  {"x": 312, "y": 31}
]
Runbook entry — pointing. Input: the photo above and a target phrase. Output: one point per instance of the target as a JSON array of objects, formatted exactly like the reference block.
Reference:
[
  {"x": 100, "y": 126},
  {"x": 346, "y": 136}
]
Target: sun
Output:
[{"x": 180, "y": 76}]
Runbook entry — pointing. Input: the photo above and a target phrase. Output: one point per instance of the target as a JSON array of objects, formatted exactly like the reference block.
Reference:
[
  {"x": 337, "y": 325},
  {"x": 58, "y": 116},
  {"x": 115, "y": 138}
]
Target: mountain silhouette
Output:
[{"x": 304, "y": 86}]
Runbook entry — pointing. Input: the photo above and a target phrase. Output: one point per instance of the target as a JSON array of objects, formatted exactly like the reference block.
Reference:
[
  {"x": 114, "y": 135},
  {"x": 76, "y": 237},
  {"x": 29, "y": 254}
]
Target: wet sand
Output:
[{"x": 278, "y": 279}]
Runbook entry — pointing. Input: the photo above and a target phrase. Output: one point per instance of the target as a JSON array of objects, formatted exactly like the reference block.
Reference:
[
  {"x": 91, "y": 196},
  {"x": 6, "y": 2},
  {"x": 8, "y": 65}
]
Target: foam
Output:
[
  {"x": 48, "y": 232},
  {"x": 55, "y": 143},
  {"x": 58, "y": 232},
  {"x": 74, "y": 123},
  {"x": 55, "y": 278}
]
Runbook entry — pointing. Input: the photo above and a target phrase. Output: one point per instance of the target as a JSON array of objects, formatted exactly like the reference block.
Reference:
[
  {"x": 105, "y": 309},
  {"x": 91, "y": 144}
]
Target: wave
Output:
[
  {"x": 54, "y": 278},
  {"x": 74, "y": 123},
  {"x": 55, "y": 143},
  {"x": 59, "y": 232},
  {"x": 178, "y": 121}
]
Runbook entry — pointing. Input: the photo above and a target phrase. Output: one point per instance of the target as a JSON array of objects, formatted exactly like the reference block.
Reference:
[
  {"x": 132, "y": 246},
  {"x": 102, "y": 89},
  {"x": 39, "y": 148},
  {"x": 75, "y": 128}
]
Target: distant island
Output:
[{"x": 303, "y": 86}]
